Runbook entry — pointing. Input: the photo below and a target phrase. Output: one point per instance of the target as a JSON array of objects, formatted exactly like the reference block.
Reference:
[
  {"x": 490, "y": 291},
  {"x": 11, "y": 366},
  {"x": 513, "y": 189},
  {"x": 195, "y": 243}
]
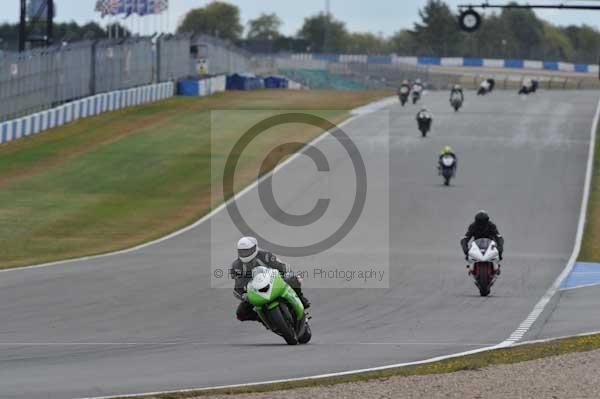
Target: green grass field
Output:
[{"x": 123, "y": 178}]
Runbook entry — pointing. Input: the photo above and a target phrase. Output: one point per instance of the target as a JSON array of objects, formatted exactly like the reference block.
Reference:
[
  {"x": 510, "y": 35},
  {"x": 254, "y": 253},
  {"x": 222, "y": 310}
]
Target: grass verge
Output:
[
  {"x": 590, "y": 246},
  {"x": 127, "y": 177},
  {"x": 515, "y": 354}
]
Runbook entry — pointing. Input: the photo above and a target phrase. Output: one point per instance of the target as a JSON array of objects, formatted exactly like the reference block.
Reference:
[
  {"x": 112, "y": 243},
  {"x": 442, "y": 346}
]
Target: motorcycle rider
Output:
[
  {"x": 526, "y": 86},
  {"x": 447, "y": 151},
  {"x": 484, "y": 87},
  {"x": 482, "y": 227},
  {"x": 249, "y": 257},
  {"x": 424, "y": 117},
  {"x": 405, "y": 84},
  {"x": 404, "y": 91},
  {"x": 424, "y": 120},
  {"x": 457, "y": 89},
  {"x": 417, "y": 90},
  {"x": 418, "y": 85}
]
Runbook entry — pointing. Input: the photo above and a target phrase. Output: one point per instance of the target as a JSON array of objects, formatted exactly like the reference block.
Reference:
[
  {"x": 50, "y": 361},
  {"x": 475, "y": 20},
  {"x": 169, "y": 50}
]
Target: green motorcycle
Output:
[{"x": 278, "y": 306}]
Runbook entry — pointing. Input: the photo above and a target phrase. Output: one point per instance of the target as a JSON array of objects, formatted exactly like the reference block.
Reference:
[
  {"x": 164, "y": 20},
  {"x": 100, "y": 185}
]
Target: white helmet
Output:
[{"x": 247, "y": 248}]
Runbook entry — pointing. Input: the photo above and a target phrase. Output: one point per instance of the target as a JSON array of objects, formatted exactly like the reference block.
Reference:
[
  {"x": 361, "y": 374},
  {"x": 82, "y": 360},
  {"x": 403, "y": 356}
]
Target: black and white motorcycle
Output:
[
  {"x": 484, "y": 266},
  {"x": 417, "y": 90},
  {"x": 424, "y": 121},
  {"x": 456, "y": 101}
]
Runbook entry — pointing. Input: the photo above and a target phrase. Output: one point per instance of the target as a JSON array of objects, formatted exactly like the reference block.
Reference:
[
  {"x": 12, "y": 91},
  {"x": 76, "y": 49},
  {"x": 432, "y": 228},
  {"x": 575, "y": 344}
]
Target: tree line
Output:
[{"x": 511, "y": 33}]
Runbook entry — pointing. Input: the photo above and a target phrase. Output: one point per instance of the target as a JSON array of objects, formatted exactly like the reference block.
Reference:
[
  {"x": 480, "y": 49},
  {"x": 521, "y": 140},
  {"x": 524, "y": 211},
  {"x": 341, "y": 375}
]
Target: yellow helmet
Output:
[{"x": 447, "y": 149}]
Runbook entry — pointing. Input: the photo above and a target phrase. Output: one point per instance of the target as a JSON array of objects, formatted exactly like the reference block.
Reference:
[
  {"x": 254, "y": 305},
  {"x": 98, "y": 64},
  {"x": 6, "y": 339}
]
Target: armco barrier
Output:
[
  {"x": 473, "y": 62},
  {"x": 446, "y": 61},
  {"x": 216, "y": 84},
  {"x": 89, "y": 106}
]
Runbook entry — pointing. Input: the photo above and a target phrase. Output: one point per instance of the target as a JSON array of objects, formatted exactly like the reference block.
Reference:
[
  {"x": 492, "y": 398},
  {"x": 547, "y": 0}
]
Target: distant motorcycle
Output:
[
  {"x": 456, "y": 101},
  {"x": 447, "y": 168},
  {"x": 403, "y": 95},
  {"x": 424, "y": 121},
  {"x": 416, "y": 93},
  {"x": 529, "y": 86},
  {"x": 483, "y": 257},
  {"x": 484, "y": 88},
  {"x": 278, "y": 306}
]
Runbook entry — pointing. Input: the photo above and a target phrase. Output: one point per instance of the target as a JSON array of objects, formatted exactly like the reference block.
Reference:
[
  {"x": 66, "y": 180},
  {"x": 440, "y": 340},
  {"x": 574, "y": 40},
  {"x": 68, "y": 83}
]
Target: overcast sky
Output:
[{"x": 377, "y": 16}]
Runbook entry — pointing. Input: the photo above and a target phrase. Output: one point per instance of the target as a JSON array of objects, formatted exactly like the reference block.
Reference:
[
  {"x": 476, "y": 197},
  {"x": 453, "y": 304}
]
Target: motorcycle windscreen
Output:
[{"x": 483, "y": 244}]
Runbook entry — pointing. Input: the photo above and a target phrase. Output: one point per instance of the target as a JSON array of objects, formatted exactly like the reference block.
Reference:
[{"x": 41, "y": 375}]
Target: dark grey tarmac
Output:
[{"x": 150, "y": 321}]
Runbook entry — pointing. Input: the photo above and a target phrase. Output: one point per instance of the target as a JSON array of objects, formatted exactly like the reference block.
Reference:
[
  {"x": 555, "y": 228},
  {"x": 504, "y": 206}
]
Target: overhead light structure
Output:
[{"x": 470, "y": 20}]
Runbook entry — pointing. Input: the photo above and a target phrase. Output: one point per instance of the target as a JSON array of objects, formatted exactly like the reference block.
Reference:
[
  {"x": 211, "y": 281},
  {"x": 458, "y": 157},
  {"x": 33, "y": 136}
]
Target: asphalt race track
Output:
[{"x": 150, "y": 321}]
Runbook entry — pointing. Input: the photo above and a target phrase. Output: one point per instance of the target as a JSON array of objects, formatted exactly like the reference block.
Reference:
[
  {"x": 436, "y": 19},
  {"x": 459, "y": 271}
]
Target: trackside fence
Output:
[{"x": 45, "y": 78}]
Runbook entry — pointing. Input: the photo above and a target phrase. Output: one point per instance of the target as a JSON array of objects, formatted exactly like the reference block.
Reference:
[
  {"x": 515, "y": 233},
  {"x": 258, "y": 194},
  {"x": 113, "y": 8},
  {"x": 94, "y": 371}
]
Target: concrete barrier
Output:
[
  {"x": 444, "y": 61},
  {"x": 82, "y": 108}
]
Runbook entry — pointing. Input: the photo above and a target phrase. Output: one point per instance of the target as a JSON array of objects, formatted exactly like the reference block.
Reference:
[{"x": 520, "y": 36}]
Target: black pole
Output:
[
  {"x": 22, "y": 26},
  {"x": 529, "y": 6},
  {"x": 50, "y": 23}
]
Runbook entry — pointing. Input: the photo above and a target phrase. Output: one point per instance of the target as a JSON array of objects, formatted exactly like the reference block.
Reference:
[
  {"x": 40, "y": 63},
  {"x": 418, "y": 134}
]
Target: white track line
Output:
[
  {"x": 356, "y": 113},
  {"x": 314, "y": 377},
  {"x": 524, "y": 327},
  {"x": 517, "y": 335},
  {"x": 541, "y": 341},
  {"x": 229, "y": 344},
  {"x": 511, "y": 341},
  {"x": 435, "y": 359},
  {"x": 575, "y": 287}
]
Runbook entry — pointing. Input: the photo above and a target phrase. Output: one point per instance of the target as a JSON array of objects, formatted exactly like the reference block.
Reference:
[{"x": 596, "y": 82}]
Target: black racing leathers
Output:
[
  {"x": 484, "y": 230},
  {"x": 242, "y": 275}
]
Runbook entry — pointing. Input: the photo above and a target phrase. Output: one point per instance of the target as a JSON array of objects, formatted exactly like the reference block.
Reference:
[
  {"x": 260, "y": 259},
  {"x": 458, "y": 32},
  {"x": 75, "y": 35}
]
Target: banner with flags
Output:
[
  {"x": 129, "y": 7},
  {"x": 108, "y": 7}
]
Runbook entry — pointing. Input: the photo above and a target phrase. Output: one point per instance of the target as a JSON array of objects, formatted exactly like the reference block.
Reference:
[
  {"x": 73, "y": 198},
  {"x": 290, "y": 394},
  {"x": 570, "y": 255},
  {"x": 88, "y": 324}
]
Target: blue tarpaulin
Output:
[
  {"x": 239, "y": 81},
  {"x": 188, "y": 87},
  {"x": 276, "y": 82}
]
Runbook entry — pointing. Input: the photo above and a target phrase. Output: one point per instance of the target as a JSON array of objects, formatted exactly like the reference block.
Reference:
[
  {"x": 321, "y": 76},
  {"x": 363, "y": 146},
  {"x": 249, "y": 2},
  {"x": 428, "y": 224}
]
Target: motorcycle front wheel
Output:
[
  {"x": 281, "y": 321},
  {"x": 483, "y": 280},
  {"x": 304, "y": 338}
]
